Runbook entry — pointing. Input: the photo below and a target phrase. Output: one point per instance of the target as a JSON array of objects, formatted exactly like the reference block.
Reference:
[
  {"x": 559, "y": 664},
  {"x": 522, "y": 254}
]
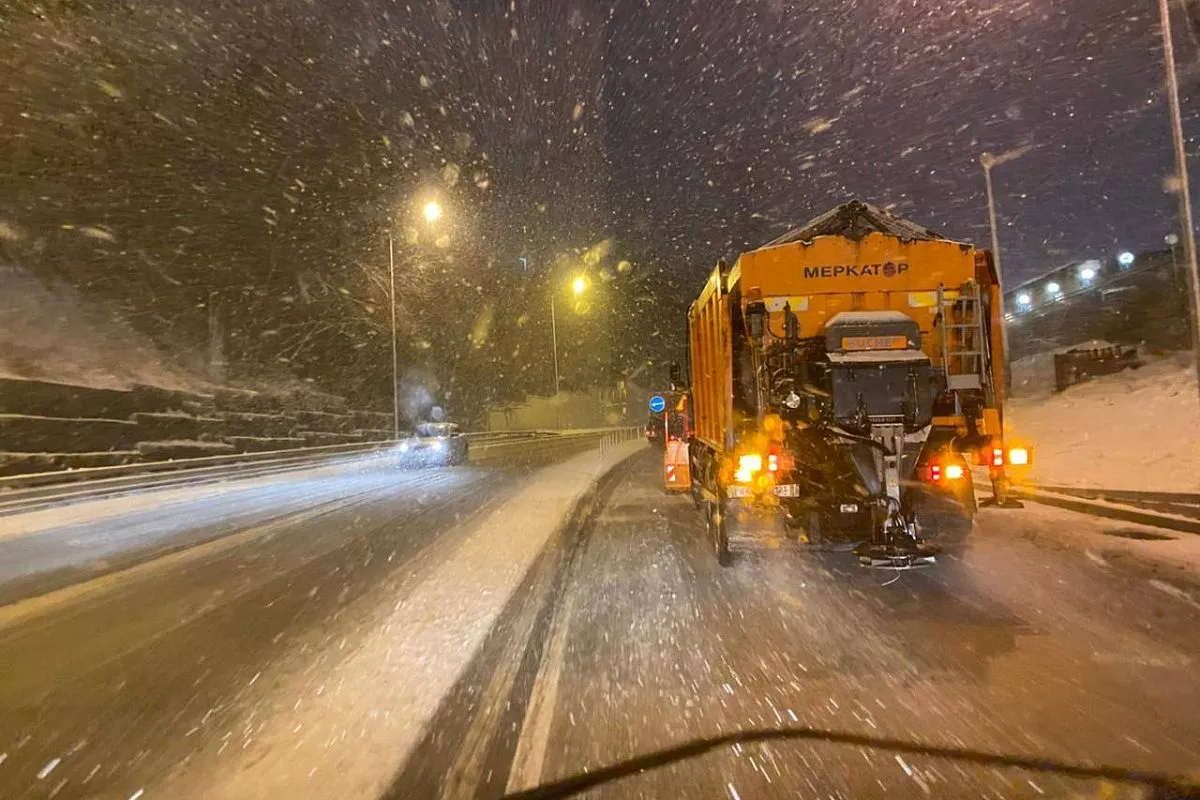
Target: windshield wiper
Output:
[{"x": 1165, "y": 786}]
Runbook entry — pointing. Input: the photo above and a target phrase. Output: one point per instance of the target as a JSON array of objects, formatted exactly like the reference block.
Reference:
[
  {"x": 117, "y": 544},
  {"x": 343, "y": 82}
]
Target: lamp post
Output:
[
  {"x": 1185, "y": 199},
  {"x": 987, "y": 161},
  {"x": 432, "y": 212},
  {"x": 554, "y": 341},
  {"x": 578, "y": 287},
  {"x": 395, "y": 359}
]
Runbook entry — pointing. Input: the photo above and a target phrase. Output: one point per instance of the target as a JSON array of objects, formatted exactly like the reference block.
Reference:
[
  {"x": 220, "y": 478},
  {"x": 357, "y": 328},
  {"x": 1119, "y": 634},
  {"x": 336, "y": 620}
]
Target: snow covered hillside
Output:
[
  {"x": 49, "y": 332},
  {"x": 1139, "y": 429}
]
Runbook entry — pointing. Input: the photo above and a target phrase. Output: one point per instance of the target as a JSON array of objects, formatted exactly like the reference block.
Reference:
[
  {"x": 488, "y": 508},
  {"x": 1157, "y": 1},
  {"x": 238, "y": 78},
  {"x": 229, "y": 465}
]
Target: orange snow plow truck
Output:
[{"x": 846, "y": 376}]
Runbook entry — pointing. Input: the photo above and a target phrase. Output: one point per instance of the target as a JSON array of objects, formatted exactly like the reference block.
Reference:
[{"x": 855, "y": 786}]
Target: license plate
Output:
[{"x": 784, "y": 490}]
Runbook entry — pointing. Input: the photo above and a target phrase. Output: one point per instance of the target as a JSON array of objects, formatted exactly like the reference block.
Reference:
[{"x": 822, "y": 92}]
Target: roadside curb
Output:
[
  {"x": 458, "y": 750},
  {"x": 1099, "y": 508}
]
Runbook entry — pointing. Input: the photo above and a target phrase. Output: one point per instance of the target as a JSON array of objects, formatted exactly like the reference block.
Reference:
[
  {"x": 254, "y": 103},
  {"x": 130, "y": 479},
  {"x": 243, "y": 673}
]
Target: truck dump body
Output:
[{"x": 850, "y": 347}]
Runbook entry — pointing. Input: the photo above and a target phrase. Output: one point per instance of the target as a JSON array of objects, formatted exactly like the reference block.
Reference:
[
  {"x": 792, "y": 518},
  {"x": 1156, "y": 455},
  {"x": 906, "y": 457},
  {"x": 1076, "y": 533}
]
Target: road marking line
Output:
[
  {"x": 530, "y": 757},
  {"x": 466, "y": 774}
]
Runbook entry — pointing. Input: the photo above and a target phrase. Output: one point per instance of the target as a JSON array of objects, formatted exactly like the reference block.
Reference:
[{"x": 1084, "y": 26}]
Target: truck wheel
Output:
[
  {"x": 718, "y": 532},
  {"x": 970, "y": 504}
]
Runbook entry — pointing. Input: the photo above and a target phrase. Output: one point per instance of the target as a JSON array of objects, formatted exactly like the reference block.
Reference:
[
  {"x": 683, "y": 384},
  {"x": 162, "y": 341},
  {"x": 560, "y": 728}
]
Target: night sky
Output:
[
  {"x": 743, "y": 127},
  {"x": 252, "y": 155}
]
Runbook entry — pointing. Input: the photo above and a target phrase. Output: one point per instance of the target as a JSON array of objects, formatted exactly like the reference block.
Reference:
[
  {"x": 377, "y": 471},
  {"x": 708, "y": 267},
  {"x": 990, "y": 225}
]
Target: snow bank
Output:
[{"x": 1139, "y": 429}]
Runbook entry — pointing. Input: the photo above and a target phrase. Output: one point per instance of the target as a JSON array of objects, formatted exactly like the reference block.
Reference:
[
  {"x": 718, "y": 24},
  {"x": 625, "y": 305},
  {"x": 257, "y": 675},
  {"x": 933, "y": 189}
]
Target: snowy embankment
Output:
[{"x": 1137, "y": 430}]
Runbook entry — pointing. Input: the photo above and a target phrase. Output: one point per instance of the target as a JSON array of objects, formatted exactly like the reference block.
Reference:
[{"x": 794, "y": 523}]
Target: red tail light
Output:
[
  {"x": 997, "y": 457},
  {"x": 935, "y": 472}
]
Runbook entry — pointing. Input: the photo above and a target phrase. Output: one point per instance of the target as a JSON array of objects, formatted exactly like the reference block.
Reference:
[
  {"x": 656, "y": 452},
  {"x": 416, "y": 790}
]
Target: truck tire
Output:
[
  {"x": 718, "y": 532},
  {"x": 970, "y": 504}
]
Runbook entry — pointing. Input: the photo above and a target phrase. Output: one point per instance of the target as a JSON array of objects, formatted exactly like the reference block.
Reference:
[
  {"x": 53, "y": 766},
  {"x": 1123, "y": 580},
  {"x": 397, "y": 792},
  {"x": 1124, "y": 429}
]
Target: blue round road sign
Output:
[{"x": 658, "y": 404}]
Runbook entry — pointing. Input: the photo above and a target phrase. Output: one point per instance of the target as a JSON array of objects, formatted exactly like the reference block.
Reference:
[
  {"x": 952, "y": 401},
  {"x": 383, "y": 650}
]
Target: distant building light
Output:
[
  {"x": 1053, "y": 288},
  {"x": 1024, "y": 299},
  {"x": 1125, "y": 258}
]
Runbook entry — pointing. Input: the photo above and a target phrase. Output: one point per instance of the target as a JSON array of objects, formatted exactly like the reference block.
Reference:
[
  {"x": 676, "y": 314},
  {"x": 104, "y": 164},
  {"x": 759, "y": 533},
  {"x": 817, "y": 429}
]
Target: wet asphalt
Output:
[{"x": 108, "y": 685}]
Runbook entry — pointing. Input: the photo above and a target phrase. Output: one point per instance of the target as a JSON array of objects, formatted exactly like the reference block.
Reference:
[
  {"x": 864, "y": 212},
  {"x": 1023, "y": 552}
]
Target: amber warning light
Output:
[{"x": 1015, "y": 457}]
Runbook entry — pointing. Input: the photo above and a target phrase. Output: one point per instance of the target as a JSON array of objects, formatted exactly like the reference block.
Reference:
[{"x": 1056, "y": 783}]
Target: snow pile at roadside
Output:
[{"x": 1139, "y": 429}]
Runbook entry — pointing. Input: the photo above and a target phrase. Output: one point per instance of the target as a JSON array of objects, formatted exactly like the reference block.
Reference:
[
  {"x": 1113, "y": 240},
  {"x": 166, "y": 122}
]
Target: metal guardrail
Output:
[
  {"x": 612, "y": 438},
  {"x": 26, "y": 492},
  {"x": 1178, "y": 511}
]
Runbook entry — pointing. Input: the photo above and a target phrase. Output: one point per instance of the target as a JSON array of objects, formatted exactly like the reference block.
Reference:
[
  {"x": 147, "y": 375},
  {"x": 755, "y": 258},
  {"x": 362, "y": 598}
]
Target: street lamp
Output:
[
  {"x": 395, "y": 357},
  {"x": 987, "y": 161},
  {"x": 1125, "y": 258},
  {"x": 578, "y": 287},
  {"x": 432, "y": 211}
]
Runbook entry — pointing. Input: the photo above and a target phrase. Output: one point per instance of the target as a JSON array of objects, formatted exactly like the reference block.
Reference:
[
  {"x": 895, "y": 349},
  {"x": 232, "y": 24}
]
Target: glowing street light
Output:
[
  {"x": 1053, "y": 288},
  {"x": 432, "y": 211},
  {"x": 1024, "y": 299},
  {"x": 1125, "y": 258},
  {"x": 1087, "y": 273},
  {"x": 579, "y": 285}
]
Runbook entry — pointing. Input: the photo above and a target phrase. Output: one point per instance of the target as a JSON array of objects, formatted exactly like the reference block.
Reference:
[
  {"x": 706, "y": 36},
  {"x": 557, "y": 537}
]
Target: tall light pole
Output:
[
  {"x": 395, "y": 357},
  {"x": 578, "y": 286},
  {"x": 1185, "y": 199},
  {"x": 554, "y": 341},
  {"x": 987, "y": 161},
  {"x": 432, "y": 212}
]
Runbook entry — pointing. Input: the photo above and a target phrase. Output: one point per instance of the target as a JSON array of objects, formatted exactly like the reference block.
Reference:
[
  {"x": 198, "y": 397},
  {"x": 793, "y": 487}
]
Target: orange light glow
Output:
[{"x": 748, "y": 465}]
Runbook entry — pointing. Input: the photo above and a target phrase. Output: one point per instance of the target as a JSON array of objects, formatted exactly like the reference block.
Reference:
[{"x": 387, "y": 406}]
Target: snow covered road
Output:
[
  {"x": 429, "y": 635},
  {"x": 45, "y": 549},
  {"x": 1051, "y": 634},
  {"x": 120, "y": 683}
]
